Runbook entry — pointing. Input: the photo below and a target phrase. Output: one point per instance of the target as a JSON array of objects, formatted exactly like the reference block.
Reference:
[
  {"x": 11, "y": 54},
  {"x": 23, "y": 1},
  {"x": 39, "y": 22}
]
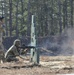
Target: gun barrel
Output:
[
  {"x": 24, "y": 47},
  {"x": 29, "y": 46}
]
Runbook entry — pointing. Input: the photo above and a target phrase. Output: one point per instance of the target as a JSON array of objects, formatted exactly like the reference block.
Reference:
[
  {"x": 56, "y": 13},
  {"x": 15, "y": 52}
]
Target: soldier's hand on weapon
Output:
[{"x": 25, "y": 51}]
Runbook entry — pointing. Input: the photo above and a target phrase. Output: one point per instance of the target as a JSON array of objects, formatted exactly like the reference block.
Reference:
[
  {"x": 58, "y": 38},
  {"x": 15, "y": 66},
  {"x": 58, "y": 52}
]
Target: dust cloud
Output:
[
  {"x": 68, "y": 43},
  {"x": 61, "y": 45}
]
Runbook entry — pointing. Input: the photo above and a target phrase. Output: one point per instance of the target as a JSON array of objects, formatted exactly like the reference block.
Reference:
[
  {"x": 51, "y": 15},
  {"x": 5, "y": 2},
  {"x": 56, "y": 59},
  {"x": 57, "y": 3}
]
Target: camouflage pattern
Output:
[
  {"x": 13, "y": 51},
  {"x": 2, "y": 29}
]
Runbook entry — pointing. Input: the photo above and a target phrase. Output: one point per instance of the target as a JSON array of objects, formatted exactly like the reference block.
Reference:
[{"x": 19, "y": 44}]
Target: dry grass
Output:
[{"x": 49, "y": 65}]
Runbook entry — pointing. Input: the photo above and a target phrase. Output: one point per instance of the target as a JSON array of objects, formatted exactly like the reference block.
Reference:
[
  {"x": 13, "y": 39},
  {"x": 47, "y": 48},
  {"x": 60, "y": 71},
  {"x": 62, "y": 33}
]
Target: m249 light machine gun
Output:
[
  {"x": 27, "y": 47},
  {"x": 24, "y": 49}
]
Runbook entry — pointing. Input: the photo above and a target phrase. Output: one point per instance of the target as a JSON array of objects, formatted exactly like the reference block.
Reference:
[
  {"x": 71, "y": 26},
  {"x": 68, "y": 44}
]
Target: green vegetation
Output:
[{"x": 51, "y": 16}]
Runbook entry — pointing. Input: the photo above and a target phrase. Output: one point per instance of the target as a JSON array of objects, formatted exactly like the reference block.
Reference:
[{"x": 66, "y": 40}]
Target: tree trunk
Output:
[
  {"x": 29, "y": 19},
  {"x": 60, "y": 23},
  {"x": 10, "y": 16},
  {"x": 22, "y": 12},
  {"x": 17, "y": 34},
  {"x": 65, "y": 14},
  {"x": 51, "y": 33},
  {"x": 71, "y": 13}
]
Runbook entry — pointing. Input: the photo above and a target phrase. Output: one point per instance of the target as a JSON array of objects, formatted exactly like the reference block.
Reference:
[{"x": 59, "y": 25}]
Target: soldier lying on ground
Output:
[{"x": 13, "y": 51}]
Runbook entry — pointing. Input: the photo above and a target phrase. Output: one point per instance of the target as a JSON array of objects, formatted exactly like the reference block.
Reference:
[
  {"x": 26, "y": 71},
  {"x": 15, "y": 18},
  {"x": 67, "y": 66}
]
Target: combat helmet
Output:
[
  {"x": 17, "y": 42},
  {"x": 1, "y": 18}
]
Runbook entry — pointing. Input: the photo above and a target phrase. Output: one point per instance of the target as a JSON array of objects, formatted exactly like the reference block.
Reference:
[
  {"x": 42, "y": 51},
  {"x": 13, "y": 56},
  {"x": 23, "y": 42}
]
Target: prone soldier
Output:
[
  {"x": 13, "y": 51},
  {"x": 16, "y": 50}
]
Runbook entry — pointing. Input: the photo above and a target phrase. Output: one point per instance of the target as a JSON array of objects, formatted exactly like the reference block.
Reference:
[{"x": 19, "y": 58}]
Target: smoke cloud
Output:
[
  {"x": 68, "y": 43},
  {"x": 62, "y": 45}
]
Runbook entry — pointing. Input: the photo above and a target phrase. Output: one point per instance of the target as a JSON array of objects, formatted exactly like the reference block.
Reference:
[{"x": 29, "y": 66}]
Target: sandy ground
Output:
[{"x": 49, "y": 65}]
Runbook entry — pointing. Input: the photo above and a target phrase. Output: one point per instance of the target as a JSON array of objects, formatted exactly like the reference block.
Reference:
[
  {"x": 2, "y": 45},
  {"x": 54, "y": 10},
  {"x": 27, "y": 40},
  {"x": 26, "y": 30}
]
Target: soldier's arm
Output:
[
  {"x": 16, "y": 52},
  {"x": 1, "y": 28}
]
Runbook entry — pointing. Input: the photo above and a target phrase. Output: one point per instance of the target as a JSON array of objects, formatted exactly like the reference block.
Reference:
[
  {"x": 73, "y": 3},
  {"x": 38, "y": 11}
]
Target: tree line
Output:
[{"x": 51, "y": 16}]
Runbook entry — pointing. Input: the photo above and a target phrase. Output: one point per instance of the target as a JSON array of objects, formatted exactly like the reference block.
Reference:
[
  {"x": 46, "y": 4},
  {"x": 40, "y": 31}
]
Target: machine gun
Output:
[{"x": 24, "y": 47}]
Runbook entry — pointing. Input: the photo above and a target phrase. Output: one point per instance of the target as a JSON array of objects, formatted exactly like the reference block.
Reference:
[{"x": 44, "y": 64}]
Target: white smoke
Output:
[
  {"x": 68, "y": 44},
  {"x": 63, "y": 47}
]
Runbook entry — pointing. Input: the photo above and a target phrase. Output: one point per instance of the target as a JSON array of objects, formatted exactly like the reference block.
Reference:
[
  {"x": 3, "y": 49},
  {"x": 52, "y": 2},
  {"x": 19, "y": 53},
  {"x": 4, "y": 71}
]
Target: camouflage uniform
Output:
[
  {"x": 1, "y": 40},
  {"x": 2, "y": 29},
  {"x": 13, "y": 51}
]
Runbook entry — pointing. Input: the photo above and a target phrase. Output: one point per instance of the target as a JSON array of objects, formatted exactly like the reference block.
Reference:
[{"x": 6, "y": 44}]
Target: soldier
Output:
[
  {"x": 13, "y": 51},
  {"x": 2, "y": 29}
]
